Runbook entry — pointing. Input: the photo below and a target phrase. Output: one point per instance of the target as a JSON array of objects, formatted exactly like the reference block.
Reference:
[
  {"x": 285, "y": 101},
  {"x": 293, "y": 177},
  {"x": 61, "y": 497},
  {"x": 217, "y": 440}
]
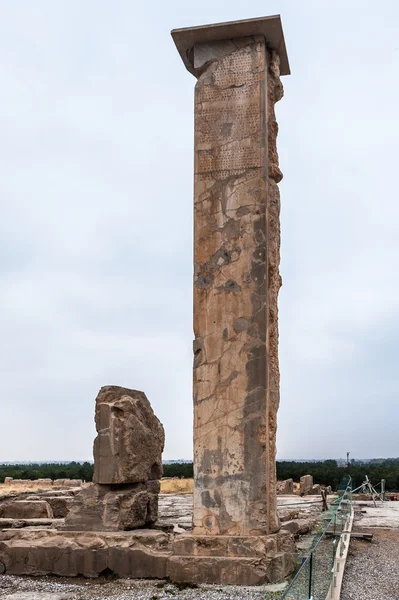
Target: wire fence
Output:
[{"x": 315, "y": 579}]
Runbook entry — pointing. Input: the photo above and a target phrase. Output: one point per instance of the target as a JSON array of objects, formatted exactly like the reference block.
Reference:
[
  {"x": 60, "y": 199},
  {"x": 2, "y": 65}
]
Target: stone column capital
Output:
[{"x": 218, "y": 38}]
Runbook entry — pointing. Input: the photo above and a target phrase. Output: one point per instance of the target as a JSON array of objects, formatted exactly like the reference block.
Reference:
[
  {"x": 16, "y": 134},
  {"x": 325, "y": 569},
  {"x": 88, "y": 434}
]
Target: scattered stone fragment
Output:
[{"x": 285, "y": 487}]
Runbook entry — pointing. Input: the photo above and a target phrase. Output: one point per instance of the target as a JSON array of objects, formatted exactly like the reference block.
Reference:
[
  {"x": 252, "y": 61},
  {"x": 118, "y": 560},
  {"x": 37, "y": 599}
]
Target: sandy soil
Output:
[{"x": 177, "y": 486}]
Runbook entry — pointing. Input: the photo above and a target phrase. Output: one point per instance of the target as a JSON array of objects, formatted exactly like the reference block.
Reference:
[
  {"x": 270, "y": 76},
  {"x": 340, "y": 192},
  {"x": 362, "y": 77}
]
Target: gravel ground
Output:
[
  {"x": 372, "y": 568},
  {"x": 51, "y": 588}
]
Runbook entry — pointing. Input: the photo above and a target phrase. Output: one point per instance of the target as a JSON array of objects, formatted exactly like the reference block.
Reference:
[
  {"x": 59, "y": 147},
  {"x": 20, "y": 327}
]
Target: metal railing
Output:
[{"x": 315, "y": 578}]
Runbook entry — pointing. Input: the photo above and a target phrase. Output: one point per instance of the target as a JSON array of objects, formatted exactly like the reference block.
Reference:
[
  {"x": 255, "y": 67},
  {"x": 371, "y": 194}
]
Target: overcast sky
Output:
[{"x": 96, "y": 154}]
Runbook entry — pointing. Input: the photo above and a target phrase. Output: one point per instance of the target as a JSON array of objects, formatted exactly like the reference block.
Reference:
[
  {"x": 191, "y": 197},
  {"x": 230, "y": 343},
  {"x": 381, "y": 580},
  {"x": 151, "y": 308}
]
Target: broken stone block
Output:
[
  {"x": 291, "y": 526},
  {"x": 287, "y": 515},
  {"x": 60, "y": 505},
  {"x": 22, "y": 509},
  {"x": 285, "y": 487},
  {"x": 20, "y": 523},
  {"x": 113, "y": 508},
  {"x": 316, "y": 489},
  {"x": 305, "y": 525},
  {"x": 137, "y": 554},
  {"x": 232, "y": 560},
  {"x": 306, "y": 484},
  {"x": 130, "y": 438}
]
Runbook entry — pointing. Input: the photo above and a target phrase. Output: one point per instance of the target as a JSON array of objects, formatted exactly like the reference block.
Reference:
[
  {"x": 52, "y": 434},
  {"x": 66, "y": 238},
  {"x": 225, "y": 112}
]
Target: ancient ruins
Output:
[
  {"x": 127, "y": 465},
  {"x": 237, "y": 536}
]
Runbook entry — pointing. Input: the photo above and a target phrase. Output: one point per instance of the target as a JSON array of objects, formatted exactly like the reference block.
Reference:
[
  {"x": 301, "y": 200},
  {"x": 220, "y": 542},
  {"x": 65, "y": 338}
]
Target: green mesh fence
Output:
[{"x": 315, "y": 576}]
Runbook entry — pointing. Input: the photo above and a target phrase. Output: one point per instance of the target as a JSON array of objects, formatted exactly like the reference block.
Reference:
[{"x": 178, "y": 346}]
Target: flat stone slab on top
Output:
[{"x": 270, "y": 27}]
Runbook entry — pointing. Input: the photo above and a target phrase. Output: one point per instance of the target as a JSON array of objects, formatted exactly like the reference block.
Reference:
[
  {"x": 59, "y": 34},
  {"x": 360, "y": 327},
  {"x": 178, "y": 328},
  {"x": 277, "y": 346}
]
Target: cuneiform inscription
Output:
[
  {"x": 226, "y": 122},
  {"x": 239, "y": 68},
  {"x": 231, "y": 156},
  {"x": 229, "y": 134}
]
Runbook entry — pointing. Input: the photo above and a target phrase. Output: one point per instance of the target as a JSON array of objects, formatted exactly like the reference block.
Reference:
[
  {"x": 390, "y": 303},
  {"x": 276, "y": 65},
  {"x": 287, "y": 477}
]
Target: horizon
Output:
[{"x": 182, "y": 460}]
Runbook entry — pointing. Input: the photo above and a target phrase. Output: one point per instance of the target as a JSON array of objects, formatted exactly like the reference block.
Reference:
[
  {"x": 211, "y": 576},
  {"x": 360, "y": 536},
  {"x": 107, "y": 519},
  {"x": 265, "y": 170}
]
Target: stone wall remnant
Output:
[{"x": 25, "y": 509}]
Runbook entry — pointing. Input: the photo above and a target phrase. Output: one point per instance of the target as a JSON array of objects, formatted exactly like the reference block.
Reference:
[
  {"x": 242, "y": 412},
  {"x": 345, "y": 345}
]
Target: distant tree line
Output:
[
  {"x": 76, "y": 470},
  {"x": 178, "y": 470},
  {"x": 72, "y": 470},
  {"x": 325, "y": 472}
]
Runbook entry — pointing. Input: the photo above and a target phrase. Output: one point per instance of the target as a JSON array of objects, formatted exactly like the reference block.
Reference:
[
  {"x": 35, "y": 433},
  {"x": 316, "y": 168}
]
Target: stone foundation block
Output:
[
  {"x": 142, "y": 554},
  {"x": 22, "y": 509},
  {"x": 232, "y": 560}
]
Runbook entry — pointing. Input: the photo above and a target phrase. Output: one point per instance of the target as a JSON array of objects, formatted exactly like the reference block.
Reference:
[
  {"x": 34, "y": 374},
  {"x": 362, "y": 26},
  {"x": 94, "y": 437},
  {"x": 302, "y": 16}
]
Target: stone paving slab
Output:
[{"x": 386, "y": 514}]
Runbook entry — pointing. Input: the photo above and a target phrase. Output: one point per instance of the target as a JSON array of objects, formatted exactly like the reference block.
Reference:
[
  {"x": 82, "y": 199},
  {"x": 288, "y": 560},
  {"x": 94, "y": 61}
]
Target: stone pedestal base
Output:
[{"x": 232, "y": 560}]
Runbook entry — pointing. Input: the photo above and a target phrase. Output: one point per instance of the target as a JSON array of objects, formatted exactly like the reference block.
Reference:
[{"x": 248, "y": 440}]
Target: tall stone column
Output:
[{"x": 236, "y": 272}]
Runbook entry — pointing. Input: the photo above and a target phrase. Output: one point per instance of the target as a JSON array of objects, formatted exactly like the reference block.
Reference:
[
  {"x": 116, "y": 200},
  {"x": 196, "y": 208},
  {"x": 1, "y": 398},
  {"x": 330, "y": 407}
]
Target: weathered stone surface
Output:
[
  {"x": 287, "y": 515},
  {"x": 176, "y": 510},
  {"x": 306, "y": 485},
  {"x": 67, "y": 483},
  {"x": 305, "y": 525},
  {"x": 242, "y": 560},
  {"x": 138, "y": 554},
  {"x": 23, "y": 509},
  {"x": 130, "y": 438},
  {"x": 70, "y": 492},
  {"x": 112, "y": 508},
  {"x": 19, "y": 523},
  {"x": 60, "y": 505},
  {"x": 316, "y": 489},
  {"x": 232, "y": 560},
  {"x": 285, "y": 487},
  {"x": 291, "y": 526},
  {"x": 236, "y": 283}
]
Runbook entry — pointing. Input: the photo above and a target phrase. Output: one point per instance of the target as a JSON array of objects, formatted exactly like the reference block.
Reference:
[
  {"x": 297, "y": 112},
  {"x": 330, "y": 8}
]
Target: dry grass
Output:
[{"x": 174, "y": 485}]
